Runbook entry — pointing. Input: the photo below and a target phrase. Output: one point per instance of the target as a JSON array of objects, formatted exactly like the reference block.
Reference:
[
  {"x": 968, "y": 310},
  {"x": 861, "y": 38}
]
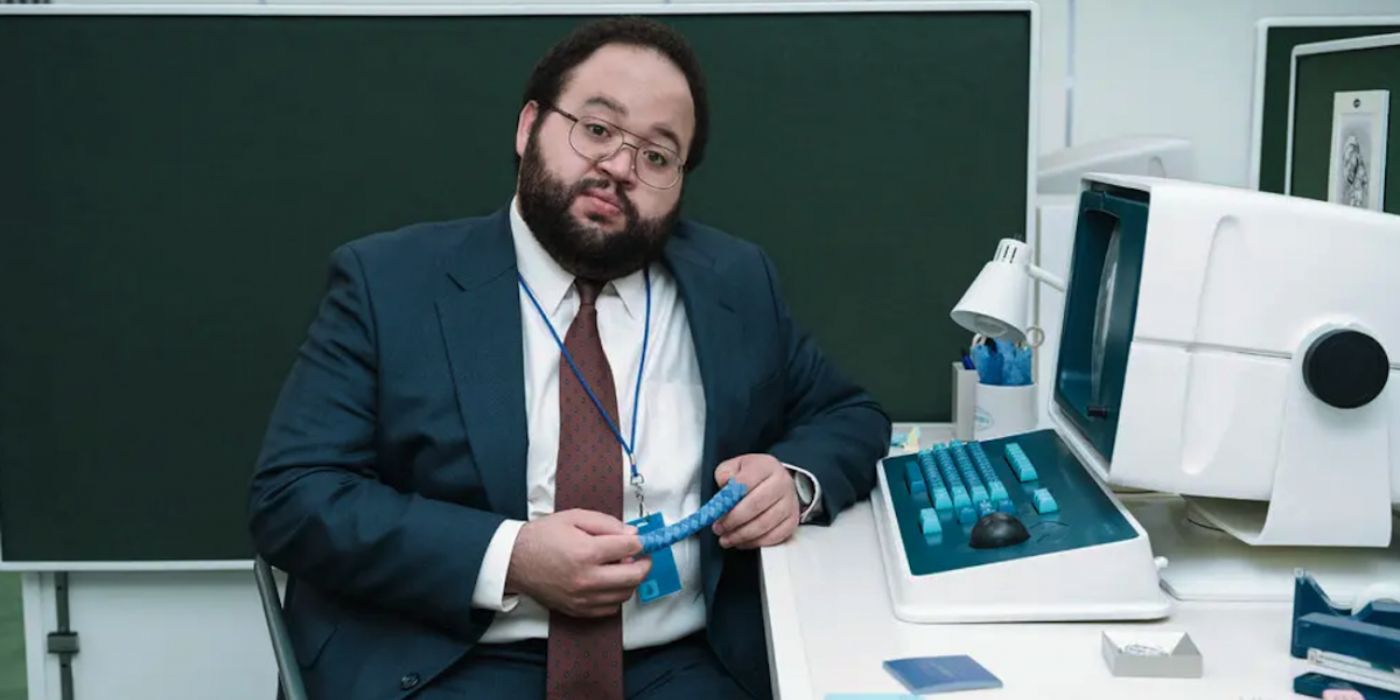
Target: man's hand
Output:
[
  {"x": 578, "y": 562},
  {"x": 768, "y": 514}
]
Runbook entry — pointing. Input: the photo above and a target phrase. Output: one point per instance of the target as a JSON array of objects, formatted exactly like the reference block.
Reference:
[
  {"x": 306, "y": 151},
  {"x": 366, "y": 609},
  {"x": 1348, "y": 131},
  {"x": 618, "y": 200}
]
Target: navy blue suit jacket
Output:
[{"x": 398, "y": 445}]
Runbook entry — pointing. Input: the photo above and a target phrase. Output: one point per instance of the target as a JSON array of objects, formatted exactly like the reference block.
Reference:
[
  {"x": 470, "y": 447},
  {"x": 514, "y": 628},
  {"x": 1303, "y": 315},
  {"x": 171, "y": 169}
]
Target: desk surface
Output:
[{"x": 830, "y": 626}]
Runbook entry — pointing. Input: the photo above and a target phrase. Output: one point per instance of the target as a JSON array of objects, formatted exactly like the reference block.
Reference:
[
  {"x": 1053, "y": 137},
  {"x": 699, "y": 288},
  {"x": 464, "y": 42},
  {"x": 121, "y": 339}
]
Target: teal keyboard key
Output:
[
  {"x": 967, "y": 515},
  {"x": 937, "y": 491},
  {"x": 997, "y": 491},
  {"x": 928, "y": 522},
  {"x": 1020, "y": 463},
  {"x": 965, "y": 468},
  {"x": 914, "y": 479},
  {"x": 1044, "y": 502},
  {"x": 1006, "y": 506},
  {"x": 984, "y": 465},
  {"x": 960, "y": 499},
  {"x": 985, "y": 508},
  {"x": 946, "y": 468},
  {"x": 942, "y": 501}
]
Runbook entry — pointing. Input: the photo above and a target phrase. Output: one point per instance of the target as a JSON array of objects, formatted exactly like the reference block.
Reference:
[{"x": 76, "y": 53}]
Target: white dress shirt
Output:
[{"x": 670, "y": 431}]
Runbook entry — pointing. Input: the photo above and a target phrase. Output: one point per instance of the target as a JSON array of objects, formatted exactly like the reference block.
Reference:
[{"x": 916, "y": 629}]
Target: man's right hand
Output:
[{"x": 578, "y": 562}]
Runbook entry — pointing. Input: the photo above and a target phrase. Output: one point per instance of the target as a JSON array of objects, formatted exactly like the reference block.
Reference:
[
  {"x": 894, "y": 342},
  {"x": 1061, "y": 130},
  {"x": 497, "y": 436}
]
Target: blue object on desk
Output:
[
  {"x": 1368, "y": 639},
  {"x": 1060, "y": 504},
  {"x": 1001, "y": 363},
  {"x": 941, "y": 674}
]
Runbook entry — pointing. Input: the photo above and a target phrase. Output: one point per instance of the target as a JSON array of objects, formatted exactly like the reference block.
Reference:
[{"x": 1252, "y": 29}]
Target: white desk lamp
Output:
[{"x": 996, "y": 304}]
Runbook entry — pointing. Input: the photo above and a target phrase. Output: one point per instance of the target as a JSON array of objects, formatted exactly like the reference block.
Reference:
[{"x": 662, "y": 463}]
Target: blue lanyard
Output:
[{"x": 637, "y": 481}]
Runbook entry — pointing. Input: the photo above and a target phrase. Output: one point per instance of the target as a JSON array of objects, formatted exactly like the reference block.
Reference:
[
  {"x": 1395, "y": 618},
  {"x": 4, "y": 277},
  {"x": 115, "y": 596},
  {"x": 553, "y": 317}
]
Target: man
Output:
[{"x": 482, "y": 406}]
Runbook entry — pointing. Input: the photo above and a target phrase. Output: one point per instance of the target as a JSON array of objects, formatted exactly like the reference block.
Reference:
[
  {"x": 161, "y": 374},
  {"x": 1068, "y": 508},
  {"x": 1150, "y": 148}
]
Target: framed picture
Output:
[{"x": 1356, "y": 175}]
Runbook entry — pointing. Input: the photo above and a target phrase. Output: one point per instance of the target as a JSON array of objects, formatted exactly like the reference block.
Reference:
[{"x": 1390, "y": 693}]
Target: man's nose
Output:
[{"x": 619, "y": 165}]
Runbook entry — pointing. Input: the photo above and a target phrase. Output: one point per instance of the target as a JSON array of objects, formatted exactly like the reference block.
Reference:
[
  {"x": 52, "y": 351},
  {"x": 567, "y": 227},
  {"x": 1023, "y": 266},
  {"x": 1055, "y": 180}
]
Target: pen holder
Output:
[
  {"x": 964, "y": 401},
  {"x": 1004, "y": 410}
]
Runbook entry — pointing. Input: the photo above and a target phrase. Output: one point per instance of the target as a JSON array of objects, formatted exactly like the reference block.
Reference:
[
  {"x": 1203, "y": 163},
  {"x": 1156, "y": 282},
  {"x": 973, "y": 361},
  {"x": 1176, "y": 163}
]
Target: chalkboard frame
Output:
[
  {"x": 1302, "y": 51},
  {"x": 1025, "y": 7},
  {"x": 1261, "y": 97}
]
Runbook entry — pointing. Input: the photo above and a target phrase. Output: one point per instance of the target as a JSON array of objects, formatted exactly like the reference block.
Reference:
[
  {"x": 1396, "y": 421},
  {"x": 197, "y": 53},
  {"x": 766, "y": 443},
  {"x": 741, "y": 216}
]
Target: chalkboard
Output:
[{"x": 173, "y": 185}]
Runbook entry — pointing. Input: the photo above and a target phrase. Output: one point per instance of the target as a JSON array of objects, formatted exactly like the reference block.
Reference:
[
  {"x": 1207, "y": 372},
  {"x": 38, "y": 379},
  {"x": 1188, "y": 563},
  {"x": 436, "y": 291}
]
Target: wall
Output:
[{"x": 1181, "y": 68}]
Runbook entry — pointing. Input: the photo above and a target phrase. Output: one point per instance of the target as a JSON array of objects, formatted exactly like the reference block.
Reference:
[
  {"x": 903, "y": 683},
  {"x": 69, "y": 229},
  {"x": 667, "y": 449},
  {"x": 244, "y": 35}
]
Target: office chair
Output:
[{"x": 288, "y": 672}]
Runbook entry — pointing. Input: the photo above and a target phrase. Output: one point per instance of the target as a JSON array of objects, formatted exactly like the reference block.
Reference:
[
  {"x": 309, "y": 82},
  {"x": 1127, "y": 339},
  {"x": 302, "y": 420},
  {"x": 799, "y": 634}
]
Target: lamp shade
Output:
[{"x": 995, "y": 304}]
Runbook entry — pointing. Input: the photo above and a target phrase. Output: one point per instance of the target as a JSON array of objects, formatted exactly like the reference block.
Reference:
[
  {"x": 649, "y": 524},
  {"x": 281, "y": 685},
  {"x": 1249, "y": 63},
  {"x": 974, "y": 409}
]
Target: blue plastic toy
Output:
[{"x": 719, "y": 504}]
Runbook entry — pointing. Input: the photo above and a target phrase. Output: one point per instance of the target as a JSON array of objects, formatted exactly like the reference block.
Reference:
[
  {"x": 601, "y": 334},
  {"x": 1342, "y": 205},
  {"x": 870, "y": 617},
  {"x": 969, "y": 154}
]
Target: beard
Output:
[{"x": 585, "y": 250}]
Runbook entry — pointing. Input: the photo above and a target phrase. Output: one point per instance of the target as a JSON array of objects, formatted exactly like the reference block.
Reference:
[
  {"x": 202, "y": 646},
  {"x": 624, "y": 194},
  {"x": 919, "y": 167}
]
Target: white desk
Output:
[{"x": 830, "y": 626}]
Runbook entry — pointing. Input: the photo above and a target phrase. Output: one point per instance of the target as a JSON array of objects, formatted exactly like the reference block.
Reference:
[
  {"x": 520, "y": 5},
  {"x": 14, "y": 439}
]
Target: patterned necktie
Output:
[{"x": 585, "y": 655}]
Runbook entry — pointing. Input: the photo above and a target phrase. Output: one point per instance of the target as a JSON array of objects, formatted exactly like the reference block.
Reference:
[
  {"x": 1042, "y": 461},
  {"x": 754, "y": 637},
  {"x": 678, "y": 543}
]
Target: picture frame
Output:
[{"x": 1356, "y": 170}]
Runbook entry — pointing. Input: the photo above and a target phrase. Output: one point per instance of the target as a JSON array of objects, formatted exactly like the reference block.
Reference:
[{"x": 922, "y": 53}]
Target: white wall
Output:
[
  {"x": 1181, "y": 68},
  {"x": 171, "y": 635}
]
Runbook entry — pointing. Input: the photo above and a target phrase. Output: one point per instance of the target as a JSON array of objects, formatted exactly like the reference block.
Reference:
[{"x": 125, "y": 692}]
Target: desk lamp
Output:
[{"x": 996, "y": 305}]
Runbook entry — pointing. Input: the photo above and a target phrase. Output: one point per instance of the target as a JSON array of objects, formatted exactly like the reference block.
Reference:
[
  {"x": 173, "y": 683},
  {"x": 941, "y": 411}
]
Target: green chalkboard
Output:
[
  {"x": 172, "y": 187},
  {"x": 1278, "y": 62},
  {"x": 1321, "y": 75}
]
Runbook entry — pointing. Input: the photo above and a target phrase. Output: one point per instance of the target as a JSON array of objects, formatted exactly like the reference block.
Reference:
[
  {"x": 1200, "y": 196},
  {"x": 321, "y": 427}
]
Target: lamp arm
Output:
[{"x": 1046, "y": 277}]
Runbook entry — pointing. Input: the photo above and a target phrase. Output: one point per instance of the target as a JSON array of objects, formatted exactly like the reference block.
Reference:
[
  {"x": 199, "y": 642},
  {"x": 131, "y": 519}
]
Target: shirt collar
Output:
[{"x": 552, "y": 283}]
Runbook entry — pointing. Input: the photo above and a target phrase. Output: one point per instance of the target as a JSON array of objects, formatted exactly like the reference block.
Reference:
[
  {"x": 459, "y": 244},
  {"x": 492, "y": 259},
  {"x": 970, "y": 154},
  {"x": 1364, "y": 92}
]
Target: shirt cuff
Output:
[
  {"x": 809, "y": 492},
  {"x": 490, "y": 591}
]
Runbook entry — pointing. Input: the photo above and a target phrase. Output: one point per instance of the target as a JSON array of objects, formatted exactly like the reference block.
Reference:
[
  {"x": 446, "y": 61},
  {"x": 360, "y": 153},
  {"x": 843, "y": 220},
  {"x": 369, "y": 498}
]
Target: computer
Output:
[{"x": 1238, "y": 349}]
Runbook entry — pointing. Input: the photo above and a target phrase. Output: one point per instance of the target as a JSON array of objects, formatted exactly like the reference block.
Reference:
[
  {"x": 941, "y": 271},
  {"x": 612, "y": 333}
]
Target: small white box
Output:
[{"x": 1152, "y": 654}]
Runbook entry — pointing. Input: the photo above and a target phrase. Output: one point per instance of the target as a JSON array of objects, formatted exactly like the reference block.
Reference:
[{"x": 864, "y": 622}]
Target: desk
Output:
[{"x": 830, "y": 626}]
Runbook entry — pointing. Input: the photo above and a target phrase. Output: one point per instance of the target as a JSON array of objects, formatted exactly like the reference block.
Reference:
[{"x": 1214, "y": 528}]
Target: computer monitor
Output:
[{"x": 1241, "y": 349}]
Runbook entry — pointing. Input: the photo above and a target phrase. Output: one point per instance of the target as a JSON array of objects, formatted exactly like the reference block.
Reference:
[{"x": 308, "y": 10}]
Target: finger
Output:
[
  {"x": 616, "y": 596},
  {"x": 620, "y": 576},
  {"x": 761, "y": 525},
  {"x": 726, "y": 471},
  {"x": 777, "y": 536},
  {"x": 759, "y": 499},
  {"x": 595, "y": 523},
  {"x": 608, "y": 549}
]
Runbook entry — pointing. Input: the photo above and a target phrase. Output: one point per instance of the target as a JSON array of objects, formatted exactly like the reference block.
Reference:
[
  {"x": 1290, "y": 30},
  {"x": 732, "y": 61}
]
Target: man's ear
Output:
[{"x": 528, "y": 114}]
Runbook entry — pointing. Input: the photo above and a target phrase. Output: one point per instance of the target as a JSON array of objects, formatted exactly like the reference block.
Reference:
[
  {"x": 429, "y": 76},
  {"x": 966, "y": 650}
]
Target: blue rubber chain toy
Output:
[{"x": 719, "y": 504}]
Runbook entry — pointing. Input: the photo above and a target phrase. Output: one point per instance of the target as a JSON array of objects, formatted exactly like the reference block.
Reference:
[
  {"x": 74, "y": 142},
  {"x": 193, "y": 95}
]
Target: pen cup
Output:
[
  {"x": 1004, "y": 410},
  {"x": 964, "y": 401}
]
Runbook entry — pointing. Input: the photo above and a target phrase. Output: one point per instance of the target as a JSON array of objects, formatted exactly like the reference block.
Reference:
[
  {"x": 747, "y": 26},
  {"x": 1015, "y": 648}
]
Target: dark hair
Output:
[{"x": 550, "y": 74}]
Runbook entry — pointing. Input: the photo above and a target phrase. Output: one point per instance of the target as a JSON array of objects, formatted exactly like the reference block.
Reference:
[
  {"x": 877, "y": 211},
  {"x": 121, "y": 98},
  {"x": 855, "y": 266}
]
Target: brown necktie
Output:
[{"x": 585, "y": 655}]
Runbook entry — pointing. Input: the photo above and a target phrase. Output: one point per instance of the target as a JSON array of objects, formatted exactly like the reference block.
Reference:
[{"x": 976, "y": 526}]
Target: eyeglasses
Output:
[{"x": 598, "y": 140}]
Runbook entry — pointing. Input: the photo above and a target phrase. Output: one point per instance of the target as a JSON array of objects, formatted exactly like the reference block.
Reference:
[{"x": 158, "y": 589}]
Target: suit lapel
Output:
[
  {"x": 716, "y": 331},
  {"x": 481, "y": 328}
]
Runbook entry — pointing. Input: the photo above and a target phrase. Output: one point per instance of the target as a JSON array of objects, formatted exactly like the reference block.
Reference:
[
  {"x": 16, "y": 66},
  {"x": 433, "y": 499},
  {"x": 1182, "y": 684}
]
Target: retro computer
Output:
[{"x": 1236, "y": 348}]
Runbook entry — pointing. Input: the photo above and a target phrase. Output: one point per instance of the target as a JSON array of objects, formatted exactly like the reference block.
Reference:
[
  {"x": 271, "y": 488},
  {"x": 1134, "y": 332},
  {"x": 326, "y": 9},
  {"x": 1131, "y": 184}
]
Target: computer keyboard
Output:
[{"x": 960, "y": 520}]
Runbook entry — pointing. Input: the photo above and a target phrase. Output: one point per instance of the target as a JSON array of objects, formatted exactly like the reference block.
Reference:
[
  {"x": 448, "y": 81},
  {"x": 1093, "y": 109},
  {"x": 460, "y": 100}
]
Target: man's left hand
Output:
[{"x": 768, "y": 513}]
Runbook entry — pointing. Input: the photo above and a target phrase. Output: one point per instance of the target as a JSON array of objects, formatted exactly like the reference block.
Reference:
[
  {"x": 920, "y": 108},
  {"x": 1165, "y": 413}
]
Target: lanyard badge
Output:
[
  {"x": 636, "y": 479},
  {"x": 664, "y": 578}
]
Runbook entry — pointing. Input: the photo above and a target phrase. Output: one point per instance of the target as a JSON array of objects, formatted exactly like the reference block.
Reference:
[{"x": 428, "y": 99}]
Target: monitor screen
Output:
[{"x": 1100, "y": 309}]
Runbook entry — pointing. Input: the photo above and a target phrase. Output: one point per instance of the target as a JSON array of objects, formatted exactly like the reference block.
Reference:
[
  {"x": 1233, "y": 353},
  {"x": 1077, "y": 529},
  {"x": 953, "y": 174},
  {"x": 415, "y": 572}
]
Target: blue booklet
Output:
[{"x": 941, "y": 674}]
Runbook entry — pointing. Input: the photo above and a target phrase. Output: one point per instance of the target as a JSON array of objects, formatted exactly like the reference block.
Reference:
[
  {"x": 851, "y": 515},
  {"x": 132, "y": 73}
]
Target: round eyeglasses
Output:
[{"x": 598, "y": 140}]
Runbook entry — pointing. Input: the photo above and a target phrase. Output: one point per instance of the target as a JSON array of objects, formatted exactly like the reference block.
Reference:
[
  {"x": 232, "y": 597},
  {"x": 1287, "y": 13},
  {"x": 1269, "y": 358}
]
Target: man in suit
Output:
[{"x": 481, "y": 407}]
